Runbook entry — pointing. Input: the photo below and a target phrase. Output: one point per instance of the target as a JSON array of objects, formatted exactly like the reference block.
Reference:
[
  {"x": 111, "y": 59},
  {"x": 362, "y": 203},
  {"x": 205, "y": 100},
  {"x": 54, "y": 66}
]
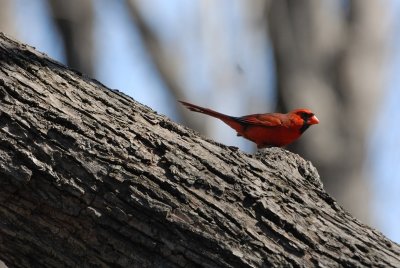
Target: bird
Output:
[{"x": 268, "y": 129}]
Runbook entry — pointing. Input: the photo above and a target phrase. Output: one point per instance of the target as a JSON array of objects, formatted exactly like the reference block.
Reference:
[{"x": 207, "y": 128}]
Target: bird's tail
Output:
[
  {"x": 231, "y": 121},
  {"x": 206, "y": 111}
]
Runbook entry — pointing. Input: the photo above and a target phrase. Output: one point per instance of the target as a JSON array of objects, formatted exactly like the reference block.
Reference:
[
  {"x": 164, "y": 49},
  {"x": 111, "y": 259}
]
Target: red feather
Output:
[{"x": 270, "y": 129}]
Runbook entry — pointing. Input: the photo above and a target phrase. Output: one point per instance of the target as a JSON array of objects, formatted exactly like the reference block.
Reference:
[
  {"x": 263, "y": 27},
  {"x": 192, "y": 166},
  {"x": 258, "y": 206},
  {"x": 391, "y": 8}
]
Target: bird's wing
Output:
[{"x": 266, "y": 120}]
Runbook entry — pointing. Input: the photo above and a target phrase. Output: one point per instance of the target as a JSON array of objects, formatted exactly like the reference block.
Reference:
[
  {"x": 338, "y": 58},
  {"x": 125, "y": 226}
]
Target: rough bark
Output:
[{"x": 89, "y": 177}]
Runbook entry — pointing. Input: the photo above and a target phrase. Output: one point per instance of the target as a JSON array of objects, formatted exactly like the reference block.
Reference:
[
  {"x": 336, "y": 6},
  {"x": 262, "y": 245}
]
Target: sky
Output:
[{"x": 116, "y": 69}]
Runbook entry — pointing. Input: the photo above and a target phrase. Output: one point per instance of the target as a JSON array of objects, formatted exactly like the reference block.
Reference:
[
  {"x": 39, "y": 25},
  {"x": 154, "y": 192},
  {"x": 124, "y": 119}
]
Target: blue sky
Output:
[{"x": 118, "y": 44}]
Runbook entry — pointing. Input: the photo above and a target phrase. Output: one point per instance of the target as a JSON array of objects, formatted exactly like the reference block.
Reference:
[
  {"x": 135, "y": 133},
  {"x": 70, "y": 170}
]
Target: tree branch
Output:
[{"x": 89, "y": 176}]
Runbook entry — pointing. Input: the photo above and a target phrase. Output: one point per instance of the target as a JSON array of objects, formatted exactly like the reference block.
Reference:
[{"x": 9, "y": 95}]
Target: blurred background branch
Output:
[
  {"x": 334, "y": 63},
  {"x": 162, "y": 57},
  {"x": 74, "y": 21}
]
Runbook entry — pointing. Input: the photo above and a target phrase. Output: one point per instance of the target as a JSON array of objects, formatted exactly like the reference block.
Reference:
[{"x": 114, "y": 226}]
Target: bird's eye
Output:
[{"x": 306, "y": 115}]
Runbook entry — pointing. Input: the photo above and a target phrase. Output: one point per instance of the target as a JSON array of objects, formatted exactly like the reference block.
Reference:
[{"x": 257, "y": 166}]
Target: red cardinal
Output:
[{"x": 272, "y": 129}]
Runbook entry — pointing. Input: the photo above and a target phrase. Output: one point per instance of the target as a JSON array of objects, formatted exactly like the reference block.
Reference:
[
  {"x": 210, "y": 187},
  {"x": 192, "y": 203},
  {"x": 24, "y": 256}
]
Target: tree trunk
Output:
[{"x": 89, "y": 177}]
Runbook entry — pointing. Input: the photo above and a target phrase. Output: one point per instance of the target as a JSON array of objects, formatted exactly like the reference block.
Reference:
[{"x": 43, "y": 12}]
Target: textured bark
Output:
[{"x": 89, "y": 177}]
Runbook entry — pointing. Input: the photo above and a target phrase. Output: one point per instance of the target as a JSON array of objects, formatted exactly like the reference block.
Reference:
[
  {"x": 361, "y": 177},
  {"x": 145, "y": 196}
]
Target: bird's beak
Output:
[{"x": 313, "y": 120}]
